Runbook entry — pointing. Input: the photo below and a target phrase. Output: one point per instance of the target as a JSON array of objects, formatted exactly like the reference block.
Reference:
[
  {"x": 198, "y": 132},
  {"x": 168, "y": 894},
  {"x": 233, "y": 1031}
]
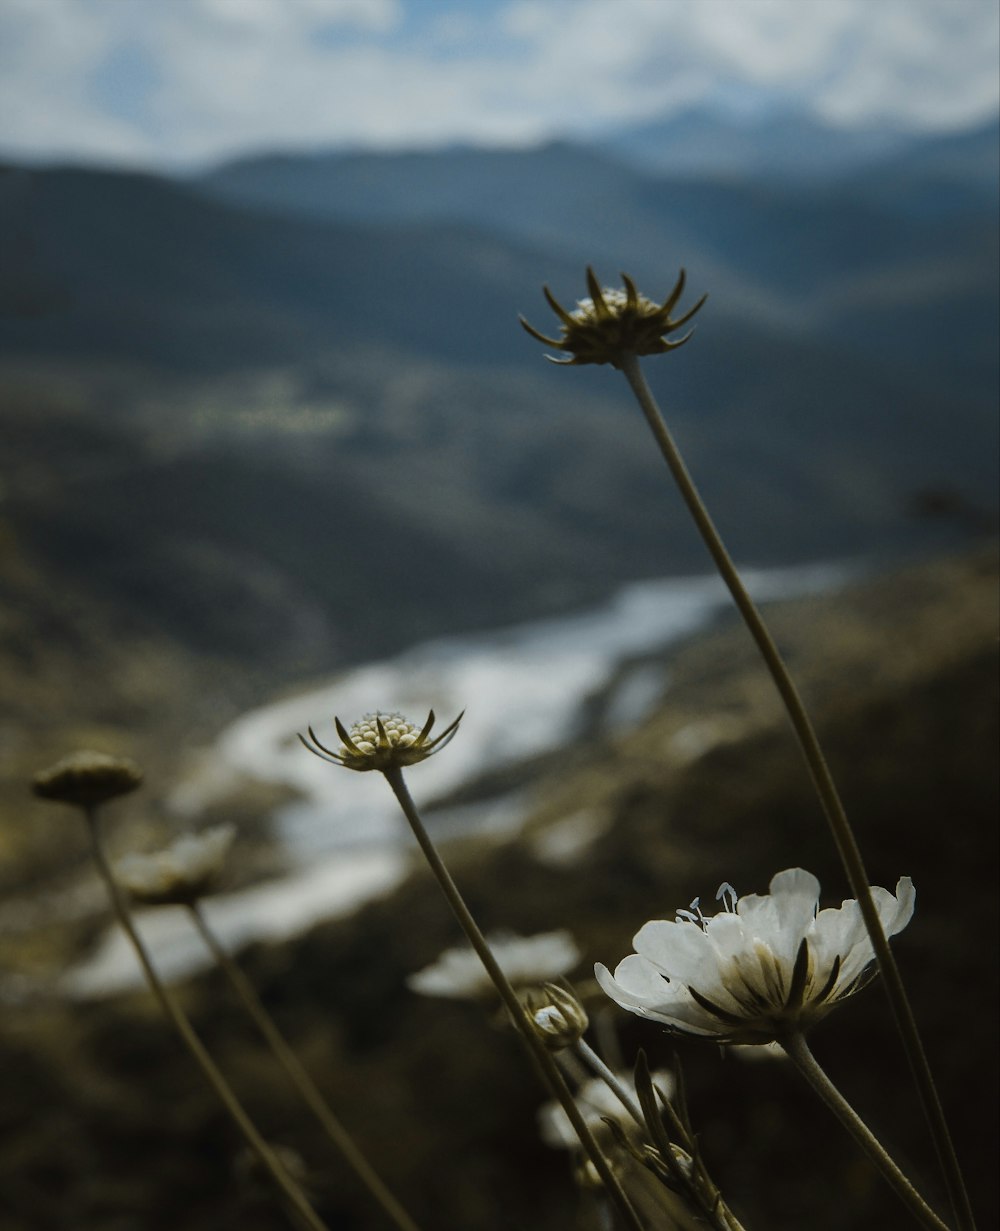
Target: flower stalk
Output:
[
  {"x": 179, "y": 1019},
  {"x": 299, "y": 1077},
  {"x": 822, "y": 779},
  {"x": 797, "y": 1049},
  {"x": 543, "y": 1057}
]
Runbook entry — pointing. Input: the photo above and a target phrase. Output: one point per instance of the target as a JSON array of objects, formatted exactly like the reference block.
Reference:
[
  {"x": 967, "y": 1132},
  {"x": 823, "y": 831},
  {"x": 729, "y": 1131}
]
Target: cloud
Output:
[{"x": 199, "y": 79}]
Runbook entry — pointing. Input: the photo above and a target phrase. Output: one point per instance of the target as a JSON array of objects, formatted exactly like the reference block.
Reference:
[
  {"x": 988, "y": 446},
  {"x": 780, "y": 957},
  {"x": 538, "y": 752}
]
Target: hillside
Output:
[
  {"x": 244, "y": 446},
  {"x": 252, "y": 432},
  {"x": 104, "y": 1121}
]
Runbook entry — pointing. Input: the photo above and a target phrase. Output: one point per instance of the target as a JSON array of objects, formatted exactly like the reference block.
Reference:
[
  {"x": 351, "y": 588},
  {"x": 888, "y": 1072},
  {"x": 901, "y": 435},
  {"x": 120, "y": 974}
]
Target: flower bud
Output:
[
  {"x": 612, "y": 323},
  {"x": 560, "y": 1020},
  {"x": 382, "y": 741}
]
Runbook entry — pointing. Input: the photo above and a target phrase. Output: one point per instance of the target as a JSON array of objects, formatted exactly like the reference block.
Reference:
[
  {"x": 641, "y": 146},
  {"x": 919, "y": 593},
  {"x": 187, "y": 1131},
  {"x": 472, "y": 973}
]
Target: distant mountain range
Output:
[
  {"x": 288, "y": 401},
  {"x": 794, "y": 146}
]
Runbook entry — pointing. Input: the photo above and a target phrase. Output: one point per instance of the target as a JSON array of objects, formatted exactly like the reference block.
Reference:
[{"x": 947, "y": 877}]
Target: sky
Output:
[{"x": 183, "y": 83}]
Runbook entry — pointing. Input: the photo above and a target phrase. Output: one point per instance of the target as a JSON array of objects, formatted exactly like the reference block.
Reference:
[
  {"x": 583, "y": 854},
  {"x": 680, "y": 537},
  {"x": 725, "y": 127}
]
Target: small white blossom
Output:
[
  {"x": 525, "y": 960},
  {"x": 181, "y": 873},
  {"x": 597, "y": 1102},
  {"x": 765, "y": 965}
]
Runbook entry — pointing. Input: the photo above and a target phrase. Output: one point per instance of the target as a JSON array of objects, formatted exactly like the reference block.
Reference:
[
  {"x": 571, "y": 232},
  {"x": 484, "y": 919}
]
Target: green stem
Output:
[
  {"x": 798, "y": 1052},
  {"x": 833, "y": 808},
  {"x": 541, "y": 1054},
  {"x": 305, "y": 1085},
  {"x": 179, "y": 1019}
]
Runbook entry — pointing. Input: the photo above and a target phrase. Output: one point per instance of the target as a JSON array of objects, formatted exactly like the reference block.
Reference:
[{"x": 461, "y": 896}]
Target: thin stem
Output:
[
  {"x": 179, "y": 1019},
  {"x": 541, "y": 1054},
  {"x": 843, "y": 835},
  {"x": 594, "y": 1061},
  {"x": 797, "y": 1050},
  {"x": 305, "y": 1085}
]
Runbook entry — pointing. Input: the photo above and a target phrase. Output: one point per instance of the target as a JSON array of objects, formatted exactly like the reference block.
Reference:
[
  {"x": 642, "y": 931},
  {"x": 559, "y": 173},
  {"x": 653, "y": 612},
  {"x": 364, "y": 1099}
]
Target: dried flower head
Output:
[
  {"x": 763, "y": 967},
  {"x": 87, "y": 779},
  {"x": 527, "y": 961},
  {"x": 182, "y": 873},
  {"x": 560, "y": 1020},
  {"x": 612, "y": 323},
  {"x": 382, "y": 741}
]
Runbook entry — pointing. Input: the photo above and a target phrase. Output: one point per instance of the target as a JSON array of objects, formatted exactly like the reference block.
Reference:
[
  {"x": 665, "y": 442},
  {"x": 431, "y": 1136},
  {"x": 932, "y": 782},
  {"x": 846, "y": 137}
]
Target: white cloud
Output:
[{"x": 223, "y": 75}]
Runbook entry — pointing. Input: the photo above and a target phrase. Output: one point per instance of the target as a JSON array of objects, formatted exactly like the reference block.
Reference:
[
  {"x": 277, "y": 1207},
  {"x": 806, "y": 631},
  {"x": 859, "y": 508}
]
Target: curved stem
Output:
[
  {"x": 179, "y": 1019},
  {"x": 543, "y": 1057},
  {"x": 305, "y": 1085},
  {"x": 843, "y": 835},
  {"x": 797, "y": 1050}
]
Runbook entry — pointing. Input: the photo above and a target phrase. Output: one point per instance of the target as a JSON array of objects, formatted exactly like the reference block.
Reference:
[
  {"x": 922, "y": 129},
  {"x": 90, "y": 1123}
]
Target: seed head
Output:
[
  {"x": 382, "y": 741},
  {"x": 87, "y": 779},
  {"x": 612, "y": 323}
]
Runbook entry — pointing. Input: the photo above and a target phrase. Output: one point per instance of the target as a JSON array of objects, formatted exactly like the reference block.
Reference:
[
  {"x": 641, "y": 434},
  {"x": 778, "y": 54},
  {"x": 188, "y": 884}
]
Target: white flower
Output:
[
  {"x": 525, "y": 960},
  {"x": 766, "y": 965},
  {"x": 181, "y": 873},
  {"x": 596, "y": 1101}
]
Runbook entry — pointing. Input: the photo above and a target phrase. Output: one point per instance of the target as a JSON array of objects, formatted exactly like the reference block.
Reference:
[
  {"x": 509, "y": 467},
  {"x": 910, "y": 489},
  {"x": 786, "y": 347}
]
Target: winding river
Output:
[{"x": 522, "y": 688}]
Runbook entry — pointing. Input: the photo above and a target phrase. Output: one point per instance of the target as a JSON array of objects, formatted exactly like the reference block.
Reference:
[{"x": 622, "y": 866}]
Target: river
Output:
[{"x": 522, "y": 687}]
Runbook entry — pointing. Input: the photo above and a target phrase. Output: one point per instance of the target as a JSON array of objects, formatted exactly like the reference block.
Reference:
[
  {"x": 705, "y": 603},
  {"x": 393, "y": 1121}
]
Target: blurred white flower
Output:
[
  {"x": 182, "y": 873},
  {"x": 526, "y": 961},
  {"x": 765, "y": 965},
  {"x": 596, "y": 1102}
]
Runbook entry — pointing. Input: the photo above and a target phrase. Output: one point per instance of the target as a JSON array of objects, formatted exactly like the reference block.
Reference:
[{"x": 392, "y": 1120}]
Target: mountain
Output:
[
  {"x": 789, "y": 145},
  {"x": 307, "y": 439},
  {"x": 798, "y": 254},
  {"x": 137, "y": 266}
]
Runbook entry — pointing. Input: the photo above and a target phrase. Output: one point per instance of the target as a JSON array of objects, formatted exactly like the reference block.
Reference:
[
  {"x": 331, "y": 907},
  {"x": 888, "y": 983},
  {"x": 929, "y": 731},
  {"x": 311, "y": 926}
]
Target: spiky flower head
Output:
[
  {"x": 184, "y": 872},
  {"x": 612, "y": 323},
  {"x": 382, "y": 741},
  {"x": 766, "y": 966},
  {"x": 87, "y": 779}
]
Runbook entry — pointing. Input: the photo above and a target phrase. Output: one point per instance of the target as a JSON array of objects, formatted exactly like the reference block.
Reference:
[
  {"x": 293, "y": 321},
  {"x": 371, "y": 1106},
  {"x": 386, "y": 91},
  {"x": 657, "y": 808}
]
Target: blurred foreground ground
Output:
[{"x": 105, "y": 1126}]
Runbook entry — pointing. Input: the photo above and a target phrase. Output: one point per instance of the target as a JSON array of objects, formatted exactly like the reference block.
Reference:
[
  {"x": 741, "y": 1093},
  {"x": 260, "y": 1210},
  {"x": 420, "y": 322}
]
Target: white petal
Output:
[
  {"x": 843, "y": 931},
  {"x": 679, "y": 950},
  {"x": 795, "y": 895},
  {"x": 641, "y": 978},
  {"x": 737, "y": 966},
  {"x": 899, "y": 916},
  {"x": 637, "y": 986},
  {"x": 839, "y": 932}
]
